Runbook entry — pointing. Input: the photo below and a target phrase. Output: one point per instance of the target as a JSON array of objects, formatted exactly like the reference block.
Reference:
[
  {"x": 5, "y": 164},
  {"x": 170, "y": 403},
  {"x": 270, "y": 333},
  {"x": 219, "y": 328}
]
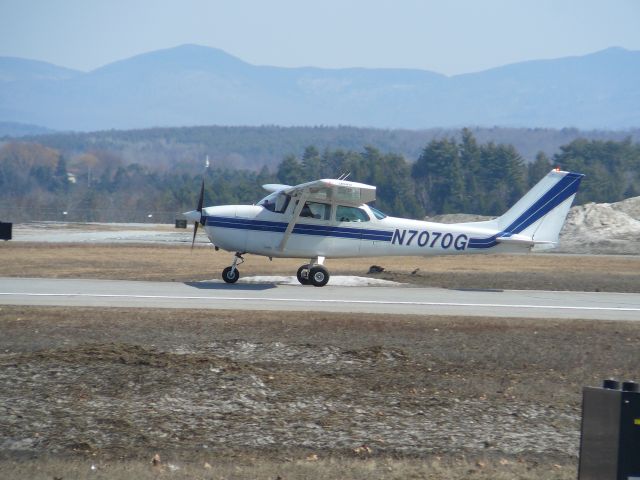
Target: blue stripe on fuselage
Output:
[
  {"x": 246, "y": 224},
  {"x": 299, "y": 228}
]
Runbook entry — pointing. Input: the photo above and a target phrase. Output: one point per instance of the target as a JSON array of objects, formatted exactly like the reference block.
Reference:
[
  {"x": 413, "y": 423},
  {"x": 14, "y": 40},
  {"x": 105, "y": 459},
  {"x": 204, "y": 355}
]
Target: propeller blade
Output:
[
  {"x": 199, "y": 210},
  {"x": 195, "y": 230},
  {"x": 201, "y": 199}
]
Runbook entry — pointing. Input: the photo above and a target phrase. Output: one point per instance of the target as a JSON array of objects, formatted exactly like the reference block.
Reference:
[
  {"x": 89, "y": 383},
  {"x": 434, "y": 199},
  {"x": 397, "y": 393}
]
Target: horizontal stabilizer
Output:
[{"x": 523, "y": 240}]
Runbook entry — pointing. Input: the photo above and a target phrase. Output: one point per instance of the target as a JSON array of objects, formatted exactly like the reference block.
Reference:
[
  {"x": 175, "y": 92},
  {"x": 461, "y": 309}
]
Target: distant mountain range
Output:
[{"x": 195, "y": 85}]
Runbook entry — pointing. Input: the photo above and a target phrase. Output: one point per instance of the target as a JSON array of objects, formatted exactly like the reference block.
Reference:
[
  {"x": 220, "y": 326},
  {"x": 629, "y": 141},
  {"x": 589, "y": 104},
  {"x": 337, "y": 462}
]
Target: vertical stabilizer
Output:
[{"x": 540, "y": 214}]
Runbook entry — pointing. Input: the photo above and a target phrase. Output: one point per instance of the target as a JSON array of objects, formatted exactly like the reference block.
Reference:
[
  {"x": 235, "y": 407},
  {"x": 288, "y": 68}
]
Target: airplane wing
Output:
[
  {"x": 275, "y": 187},
  {"x": 334, "y": 191}
]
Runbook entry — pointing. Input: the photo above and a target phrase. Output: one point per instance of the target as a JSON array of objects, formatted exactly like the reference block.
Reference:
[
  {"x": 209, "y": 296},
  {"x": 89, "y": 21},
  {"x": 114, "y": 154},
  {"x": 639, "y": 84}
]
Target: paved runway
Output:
[{"x": 404, "y": 300}]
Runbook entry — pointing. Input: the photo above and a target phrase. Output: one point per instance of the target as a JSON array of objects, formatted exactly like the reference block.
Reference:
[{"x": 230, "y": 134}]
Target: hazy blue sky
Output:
[{"x": 447, "y": 36}]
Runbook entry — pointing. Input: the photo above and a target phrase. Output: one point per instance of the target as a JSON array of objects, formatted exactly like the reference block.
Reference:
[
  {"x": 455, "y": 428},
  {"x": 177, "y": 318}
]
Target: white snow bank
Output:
[
  {"x": 630, "y": 206},
  {"x": 53, "y": 232},
  {"x": 603, "y": 228},
  {"x": 334, "y": 280}
]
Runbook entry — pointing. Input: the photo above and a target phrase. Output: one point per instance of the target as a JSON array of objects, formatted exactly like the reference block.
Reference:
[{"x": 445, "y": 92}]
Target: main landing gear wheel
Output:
[
  {"x": 230, "y": 275},
  {"x": 303, "y": 275},
  {"x": 318, "y": 276}
]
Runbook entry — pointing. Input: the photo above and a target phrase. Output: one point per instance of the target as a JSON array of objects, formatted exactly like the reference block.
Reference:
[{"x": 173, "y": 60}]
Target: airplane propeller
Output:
[
  {"x": 199, "y": 210},
  {"x": 196, "y": 215}
]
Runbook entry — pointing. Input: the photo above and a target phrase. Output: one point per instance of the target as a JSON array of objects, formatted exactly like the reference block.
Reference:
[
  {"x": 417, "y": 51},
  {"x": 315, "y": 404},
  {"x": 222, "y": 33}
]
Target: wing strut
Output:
[{"x": 296, "y": 214}]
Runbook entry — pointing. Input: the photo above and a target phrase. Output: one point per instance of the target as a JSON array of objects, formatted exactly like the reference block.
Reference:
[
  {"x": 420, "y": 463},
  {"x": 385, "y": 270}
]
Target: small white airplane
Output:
[{"x": 331, "y": 218}]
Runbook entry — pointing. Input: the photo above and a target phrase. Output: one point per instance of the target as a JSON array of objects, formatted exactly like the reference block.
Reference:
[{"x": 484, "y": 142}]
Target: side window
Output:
[
  {"x": 320, "y": 211},
  {"x": 282, "y": 202},
  {"x": 351, "y": 214}
]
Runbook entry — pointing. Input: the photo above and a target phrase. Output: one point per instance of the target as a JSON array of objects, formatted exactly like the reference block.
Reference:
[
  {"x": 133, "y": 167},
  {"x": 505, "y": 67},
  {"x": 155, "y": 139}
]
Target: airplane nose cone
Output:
[{"x": 192, "y": 216}]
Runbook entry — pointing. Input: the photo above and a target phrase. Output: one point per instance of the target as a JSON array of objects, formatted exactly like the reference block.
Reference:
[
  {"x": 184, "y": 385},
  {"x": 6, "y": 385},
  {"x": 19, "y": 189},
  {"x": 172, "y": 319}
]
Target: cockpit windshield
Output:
[
  {"x": 377, "y": 213},
  {"x": 275, "y": 202}
]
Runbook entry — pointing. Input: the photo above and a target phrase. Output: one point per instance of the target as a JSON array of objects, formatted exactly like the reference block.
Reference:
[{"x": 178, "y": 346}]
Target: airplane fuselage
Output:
[
  {"x": 254, "y": 229},
  {"x": 333, "y": 218}
]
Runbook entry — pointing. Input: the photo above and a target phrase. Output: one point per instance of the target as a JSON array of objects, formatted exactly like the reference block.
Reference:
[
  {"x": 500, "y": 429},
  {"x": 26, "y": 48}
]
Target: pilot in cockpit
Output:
[
  {"x": 269, "y": 205},
  {"x": 306, "y": 211}
]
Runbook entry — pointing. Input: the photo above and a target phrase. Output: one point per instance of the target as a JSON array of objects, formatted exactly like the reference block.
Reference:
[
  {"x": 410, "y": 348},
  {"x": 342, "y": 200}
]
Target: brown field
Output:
[
  {"x": 226, "y": 394},
  {"x": 179, "y": 263},
  {"x": 268, "y": 394}
]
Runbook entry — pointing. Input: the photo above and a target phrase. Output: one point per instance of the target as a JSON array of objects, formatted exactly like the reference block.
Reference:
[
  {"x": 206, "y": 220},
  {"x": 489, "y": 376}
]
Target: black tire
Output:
[
  {"x": 230, "y": 275},
  {"x": 318, "y": 276},
  {"x": 304, "y": 280}
]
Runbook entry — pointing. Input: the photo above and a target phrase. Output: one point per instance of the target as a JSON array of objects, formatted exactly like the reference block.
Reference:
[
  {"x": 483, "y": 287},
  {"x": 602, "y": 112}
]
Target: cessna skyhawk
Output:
[{"x": 332, "y": 218}]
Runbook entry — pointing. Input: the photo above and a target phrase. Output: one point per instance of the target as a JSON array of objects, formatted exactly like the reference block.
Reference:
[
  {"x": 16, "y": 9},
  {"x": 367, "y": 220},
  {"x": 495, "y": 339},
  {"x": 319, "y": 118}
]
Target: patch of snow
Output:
[
  {"x": 55, "y": 232},
  {"x": 335, "y": 280}
]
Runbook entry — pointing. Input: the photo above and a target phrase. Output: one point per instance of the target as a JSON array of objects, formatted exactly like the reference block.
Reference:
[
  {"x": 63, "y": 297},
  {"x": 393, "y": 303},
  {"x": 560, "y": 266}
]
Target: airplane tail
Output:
[{"x": 537, "y": 218}]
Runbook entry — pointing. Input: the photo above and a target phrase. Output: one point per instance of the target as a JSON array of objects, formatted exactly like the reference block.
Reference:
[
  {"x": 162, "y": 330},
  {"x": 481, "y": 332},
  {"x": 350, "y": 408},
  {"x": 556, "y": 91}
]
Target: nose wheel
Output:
[{"x": 232, "y": 274}]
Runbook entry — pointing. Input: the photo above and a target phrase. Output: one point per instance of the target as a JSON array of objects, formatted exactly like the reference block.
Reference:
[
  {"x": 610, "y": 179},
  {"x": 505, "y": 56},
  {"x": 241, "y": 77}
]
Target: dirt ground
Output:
[
  {"x": 268, "y": 394},
  {"x": 607, "y": 273},
  {"x": 227, "y": 394}
]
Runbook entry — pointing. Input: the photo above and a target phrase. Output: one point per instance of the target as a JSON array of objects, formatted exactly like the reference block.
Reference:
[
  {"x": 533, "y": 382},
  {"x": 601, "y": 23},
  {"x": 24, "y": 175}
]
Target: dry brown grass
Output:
[{"x": 179, "y": 263}]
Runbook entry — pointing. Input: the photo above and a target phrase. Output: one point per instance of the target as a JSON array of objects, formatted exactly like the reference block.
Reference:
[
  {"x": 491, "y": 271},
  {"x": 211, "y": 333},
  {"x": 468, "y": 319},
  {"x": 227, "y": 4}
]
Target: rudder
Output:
[{"x": 541, "y": 213}]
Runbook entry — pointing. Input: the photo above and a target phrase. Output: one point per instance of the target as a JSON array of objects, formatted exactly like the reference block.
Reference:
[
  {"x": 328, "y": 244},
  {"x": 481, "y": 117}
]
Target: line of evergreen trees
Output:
[{"x": 450, "y": 175}]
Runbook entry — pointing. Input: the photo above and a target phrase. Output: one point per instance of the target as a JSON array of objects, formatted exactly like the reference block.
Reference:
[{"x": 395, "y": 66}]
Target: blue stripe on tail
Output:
[{"x": 557, "y": 194}]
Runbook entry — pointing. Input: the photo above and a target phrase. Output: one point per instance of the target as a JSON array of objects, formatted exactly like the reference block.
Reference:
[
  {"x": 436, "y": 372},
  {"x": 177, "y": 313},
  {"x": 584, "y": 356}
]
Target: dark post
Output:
[
  {"x": 5, "y": 231},
  {"x": 610, "y": 437}
]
